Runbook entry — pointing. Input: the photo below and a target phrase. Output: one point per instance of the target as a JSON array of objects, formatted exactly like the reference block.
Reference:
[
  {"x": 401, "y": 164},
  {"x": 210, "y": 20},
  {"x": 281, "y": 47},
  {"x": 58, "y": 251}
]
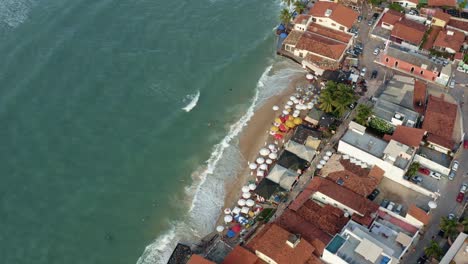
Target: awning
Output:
[
  {"x": 369, "y": 250},
  {"x": 403, "y": 239}
]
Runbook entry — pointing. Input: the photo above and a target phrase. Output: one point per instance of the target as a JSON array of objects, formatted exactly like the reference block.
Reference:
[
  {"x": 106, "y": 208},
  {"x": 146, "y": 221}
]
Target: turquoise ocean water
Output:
[{"x": 119, "y": 121}]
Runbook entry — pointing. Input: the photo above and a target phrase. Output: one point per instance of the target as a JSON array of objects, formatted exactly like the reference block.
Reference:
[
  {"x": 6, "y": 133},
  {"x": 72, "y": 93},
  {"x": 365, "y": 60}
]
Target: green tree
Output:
[
  {"x": 285, "y": 16},
  {"x": 449, "y": 227},
  {"x": 396, "y": 7},
  {"x": 381, "y": 125},
  {"x": 433, "y": 250},
  {"x": 413, "y": 169},
  {"x": 326, "y": 101},
  {"x": 299, "y": 7},
  {"x": 363, "y": 114},
  {"x": 336, "y": 98}
]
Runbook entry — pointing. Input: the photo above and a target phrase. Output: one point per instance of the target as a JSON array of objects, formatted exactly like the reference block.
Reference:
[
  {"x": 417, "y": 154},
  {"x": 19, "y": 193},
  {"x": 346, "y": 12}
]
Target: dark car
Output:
[
  {"x": 359, "y": 46},
  {"x": 359, "y": 19},
  {"x": 424, "y": 171},
  {"x": 375, "y": 15},
  {"x": 384, "y": 203},
  {"x": 373, "y": 194},
  {"x": 417, "y": 179},
  {"x": 422, "y": 260},
  {"x": 374, "y": 74}
]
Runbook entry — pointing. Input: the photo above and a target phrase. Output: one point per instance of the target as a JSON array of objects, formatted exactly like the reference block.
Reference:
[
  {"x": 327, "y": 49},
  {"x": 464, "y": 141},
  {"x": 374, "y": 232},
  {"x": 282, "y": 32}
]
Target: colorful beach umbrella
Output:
[
  {"x": 237, "y": 228},
  {"x": 278, "y": 136},
  {"x": 231, "y": 234},
  {"x": 283, "y": 128},
  {"x": 278, "y": 120},
  {"x": 290, "y": 124},
  {"x": 274, "y": 129},
  {"x": 290, "y": 118},
  {"x": 297, "y": 121}
]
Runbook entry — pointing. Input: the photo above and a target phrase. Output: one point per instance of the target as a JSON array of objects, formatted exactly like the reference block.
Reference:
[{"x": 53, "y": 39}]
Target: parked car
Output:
[
  {"x": 398, "y": 208},
  {"x": 373, "y": 194},
  {"x": 435, "y": 175},
  {"x": 451, "y": 216},
  {"x": 463, "y": 188},
  {"x": 376, "y": 51},
  {"x": 359, "y": 19},
  {"x": 371, "y": 22},
  {"x": 452, "y": 175},
  {"x": 375, "y": 15},
  {"x": 363, "y": 71},
  {"x": 390, "y": 206},
  {"x": 384, "y": 203},
  {"x": 452, "y": 84},
  {"x": 424, "y": 171},
  {"x": 374, "y": 74},
  {"x": 465, "y": 144},
  {"x": 413, "y": 12},
  {"x": 455, "y": 165},
  {"x": 359, "y": 46},
  {"x": 461, "y": 193},
  {"x": 422, "y": 260},
  {"x": 351, "y": 52},
  {"x": 417, "y": 179}
]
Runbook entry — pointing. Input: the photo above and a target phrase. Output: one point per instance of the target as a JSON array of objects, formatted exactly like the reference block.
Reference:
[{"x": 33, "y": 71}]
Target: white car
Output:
[
  {"x": 455, "y": 165},
  {"x": 452, "y": 84},
  {"x": 435, "y": 175},
  {"x": 463, "y": 188},
  {"x": 363, "y": 71},
  {"x": 376, "y": 51}
]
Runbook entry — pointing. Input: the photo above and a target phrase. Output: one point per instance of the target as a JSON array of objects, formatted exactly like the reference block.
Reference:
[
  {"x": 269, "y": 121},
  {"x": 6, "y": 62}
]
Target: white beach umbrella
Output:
[
  {"x": 292, "y": 98},
  {"x": 309, "y": 76},
  {"x": 228, "y": 218},
  {"x": 326, "y": 158},
  {"x": 227, "y": 211},
  {"x": 319, "y": 166},
  {"x": 260, "y": 160},
  {"x": 273, "y": 156},
  {"x": 264, "y": 152},
  {"x": 252, "y": 166},
  {"x": 252, "y": 186},
  {"x": 241, "y": 202},
  {"x": 250, "y": 202},
  {"x": 263, "y": 166},
  {"x": 290, "y": 103},
  {"x": 285, "y": 112},
  {"x": 323, "y": 162},
  {"x": 329, "y": 153},
  {"x": 220, "y": 229},
  {"x": 296, "y": 101},
  {"x": 245, "y": 189},
  {"x": 295, "y": 114},
  {"x": 272, "y": 146},
  {"x": 269, "y": 161},
  {"x": 275, "y": 108},
  {"x": 287, "y": 107},
  {"x": 246, "y": 195}
]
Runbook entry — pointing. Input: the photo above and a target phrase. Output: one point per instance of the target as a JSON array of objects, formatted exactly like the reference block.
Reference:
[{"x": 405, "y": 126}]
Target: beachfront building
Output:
[
  {"x": 273, "y": 244},
  {"x": 393, "y": 157},
  {"x": 333, "y": 15},
  {"x": 197, "y": 259},
  {"x": 318, "y": 48},
  {"x": 240, "y": 254},
  {"x": 385, "y": 241},
  {"x": 458, "y": 251}
]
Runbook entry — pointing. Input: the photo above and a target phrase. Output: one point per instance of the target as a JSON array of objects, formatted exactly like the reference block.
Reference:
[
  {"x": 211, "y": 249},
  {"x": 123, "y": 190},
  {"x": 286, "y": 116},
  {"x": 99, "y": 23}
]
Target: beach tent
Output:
[
  {"x": 303, "y": 152},
  {"x": 266, "y": 188},
  {"x": 231, "y": 234},
  {"x": 291, "y": 161},
  {"x": 284, "y": 177}
]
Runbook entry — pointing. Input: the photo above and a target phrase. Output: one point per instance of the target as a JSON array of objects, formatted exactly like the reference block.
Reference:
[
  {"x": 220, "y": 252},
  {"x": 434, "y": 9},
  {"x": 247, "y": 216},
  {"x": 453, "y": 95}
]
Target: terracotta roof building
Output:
[
  {"x": 301, "y": 22},
  {"x": 419, "y": 96},
  {"x": 419, "y": 214},
  {"x": 408, "y": 31},
  {"x": 333, "y": 15},
  {"x": 440, "y": 18},
  {"x": 439, "y": 122},
  {"x": 197, "y": 259},
  {"x": 390, "y": 18},
  {"x": 450, "y": 41},
  {"x": 407, "y": 135},
  {"x": 274, "y": 243},
  {"x": 431, "y": 37},
  {"x": 322, "y": 45},
  {"x": 241, "y": 255},
  {"x": 461, "y": 25},
  {"x": 442, "y": 3}
]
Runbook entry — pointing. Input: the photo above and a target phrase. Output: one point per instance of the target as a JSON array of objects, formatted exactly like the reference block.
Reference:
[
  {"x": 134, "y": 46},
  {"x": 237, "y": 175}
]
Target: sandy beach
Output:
[{"x": 253, "y": 138}]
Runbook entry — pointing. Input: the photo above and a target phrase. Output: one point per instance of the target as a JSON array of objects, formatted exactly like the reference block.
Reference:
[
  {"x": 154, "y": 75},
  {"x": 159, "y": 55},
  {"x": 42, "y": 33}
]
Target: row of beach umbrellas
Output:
[{"x": 324, "y": 160}]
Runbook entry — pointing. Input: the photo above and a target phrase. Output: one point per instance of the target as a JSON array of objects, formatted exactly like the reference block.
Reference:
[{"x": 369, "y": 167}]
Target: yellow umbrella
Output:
[
  {"x": 290, "y": 118},
  {"x": 289, "y": 124},
  {"x": 278, "y": 120},
  {"x": 297, "y": 121},
  {"x": 274, "y": 129}
]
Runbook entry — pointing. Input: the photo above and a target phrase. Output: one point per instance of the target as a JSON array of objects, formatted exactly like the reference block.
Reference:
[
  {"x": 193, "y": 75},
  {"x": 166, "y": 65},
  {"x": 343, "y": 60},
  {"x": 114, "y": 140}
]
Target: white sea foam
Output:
[
  {"x": 15, "y": 12},
  {"x": 193, "y": 101},
  {"x": 206, "y": 194}
]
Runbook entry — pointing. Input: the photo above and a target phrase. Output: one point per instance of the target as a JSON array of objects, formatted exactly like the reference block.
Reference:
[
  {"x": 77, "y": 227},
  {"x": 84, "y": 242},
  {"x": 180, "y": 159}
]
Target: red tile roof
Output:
[
  {"x": 391, "y": 17},
  {"x": 340, "y": 14},
  {"x": 328, "y": 32},
  {"x": 450, "y": 39},
  {"x": 419, "y": 214},
  {"x": 197, "y": 259},
  {"x": 301, "y": 19},
  {"x": 439, "y": 14},
  {"x": 240, "y": 255},
  {"x": 321, "y": 62},
  {"x": 431, "y": 37},
  {"x": 271, "y": 241},
  {"x": 442, "y": 3},
  {"x": 322, "y": 45},
  {"x": 439, "y": 121},
  {"x": 459, "y": 24},
  {"x": 419, "y": 95},
  {"x": 407, "y": 135},
  {"x": 409, "y": 31}
]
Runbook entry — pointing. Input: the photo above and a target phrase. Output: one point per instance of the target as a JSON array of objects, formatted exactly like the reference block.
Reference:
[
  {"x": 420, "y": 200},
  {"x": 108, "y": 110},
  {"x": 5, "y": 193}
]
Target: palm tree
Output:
[
  {"x": 299, "y": 7},
  {"x": 463, "y": 226},
  {"x": 288, "y": 2},
  {"x": 363, "y": 114},
  {"x": 433, "y": 250},
  {"x": 343, "y": 96},
  {"x": 285, "y": 16},
  {"x": 326, "y": 101},
  {"x": 449, "y": 226}
]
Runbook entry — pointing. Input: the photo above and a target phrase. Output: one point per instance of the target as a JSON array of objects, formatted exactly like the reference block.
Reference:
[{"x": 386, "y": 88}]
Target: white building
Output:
[
  {"x": 407, "y": 4},
  {"x": 458, "y": 252}
]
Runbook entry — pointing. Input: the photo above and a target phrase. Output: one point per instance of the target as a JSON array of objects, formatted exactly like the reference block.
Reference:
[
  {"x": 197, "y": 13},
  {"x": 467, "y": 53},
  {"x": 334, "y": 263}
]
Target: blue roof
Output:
[
  {"x": 281, "y": 27},
  {"x": 283, "y": 35}
]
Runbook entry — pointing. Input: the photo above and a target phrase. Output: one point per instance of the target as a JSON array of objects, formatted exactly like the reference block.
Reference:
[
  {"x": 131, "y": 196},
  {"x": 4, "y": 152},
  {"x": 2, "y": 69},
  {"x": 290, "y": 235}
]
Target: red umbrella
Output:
[
  {"x": 283, "y": 128},
  {"x": 278, "y": 136},
  {"x": 237, "y": 228},
  {"x": 283, "y": 118}
]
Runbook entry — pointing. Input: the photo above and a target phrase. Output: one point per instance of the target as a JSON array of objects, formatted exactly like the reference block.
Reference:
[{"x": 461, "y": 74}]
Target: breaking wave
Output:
[{"x": 193, "y": 101}]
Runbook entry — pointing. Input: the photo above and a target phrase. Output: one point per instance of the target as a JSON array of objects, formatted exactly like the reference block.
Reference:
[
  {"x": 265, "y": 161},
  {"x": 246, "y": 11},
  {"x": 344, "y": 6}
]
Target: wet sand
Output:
[{"x": 253, "y": 138}]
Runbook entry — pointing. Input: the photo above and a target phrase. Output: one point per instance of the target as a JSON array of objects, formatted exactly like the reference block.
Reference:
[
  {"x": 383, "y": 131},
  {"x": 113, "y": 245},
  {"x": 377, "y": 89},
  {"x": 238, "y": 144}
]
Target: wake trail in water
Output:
[{"x": 193, "y": 101}]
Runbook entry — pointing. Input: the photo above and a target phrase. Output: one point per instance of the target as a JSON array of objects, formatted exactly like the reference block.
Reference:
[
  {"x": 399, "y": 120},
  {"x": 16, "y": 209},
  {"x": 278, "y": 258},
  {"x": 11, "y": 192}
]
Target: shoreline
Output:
[{"x": 253, "y": 138}]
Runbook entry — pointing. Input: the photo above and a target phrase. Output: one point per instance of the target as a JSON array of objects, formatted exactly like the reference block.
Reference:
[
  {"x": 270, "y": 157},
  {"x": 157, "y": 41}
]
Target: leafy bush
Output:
[{"x": 381, "y": 125}]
